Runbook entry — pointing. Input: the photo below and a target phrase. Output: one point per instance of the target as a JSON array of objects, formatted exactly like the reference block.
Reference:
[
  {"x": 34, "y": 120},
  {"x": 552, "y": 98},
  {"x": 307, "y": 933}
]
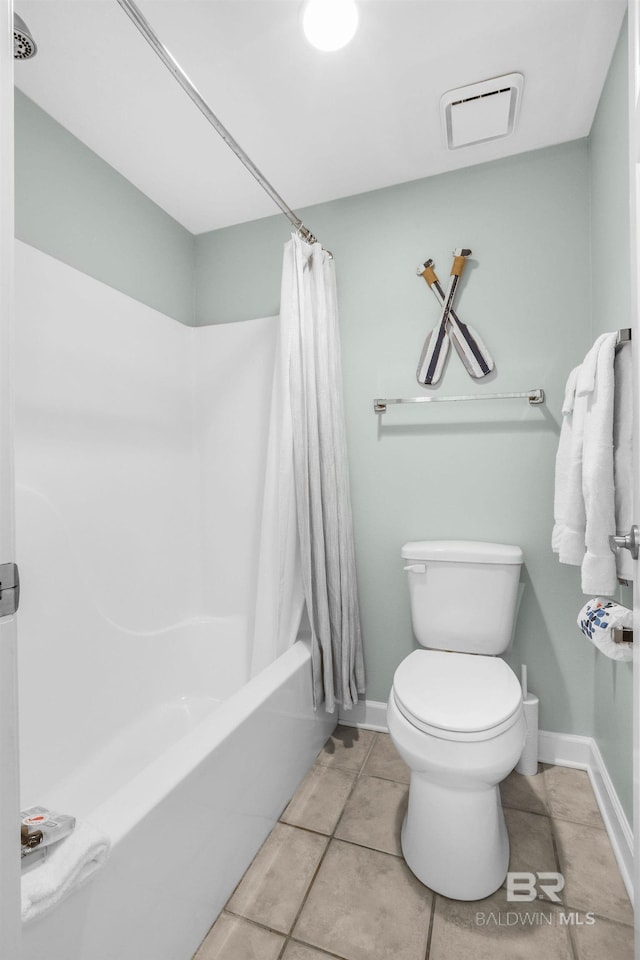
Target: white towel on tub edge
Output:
[{"x": 69, "y": 863}]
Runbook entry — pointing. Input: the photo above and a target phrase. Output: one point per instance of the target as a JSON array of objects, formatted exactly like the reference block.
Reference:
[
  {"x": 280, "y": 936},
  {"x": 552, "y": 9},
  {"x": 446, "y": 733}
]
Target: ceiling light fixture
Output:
[{"x": 330, "y": 24}]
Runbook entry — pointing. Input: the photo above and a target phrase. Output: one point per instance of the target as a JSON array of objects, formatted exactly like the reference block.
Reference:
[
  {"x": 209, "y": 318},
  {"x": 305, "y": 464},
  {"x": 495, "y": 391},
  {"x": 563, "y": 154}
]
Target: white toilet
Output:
[{"x": 455, "y": 713}]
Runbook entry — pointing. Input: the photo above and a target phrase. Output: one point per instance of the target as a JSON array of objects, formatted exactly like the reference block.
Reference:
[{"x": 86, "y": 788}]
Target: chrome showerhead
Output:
[{"x": 24, "y": 46}]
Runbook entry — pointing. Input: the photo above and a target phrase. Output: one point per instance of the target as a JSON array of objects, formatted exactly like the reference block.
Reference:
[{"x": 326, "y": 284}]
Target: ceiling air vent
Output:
[{"x": 482, "y": 111}]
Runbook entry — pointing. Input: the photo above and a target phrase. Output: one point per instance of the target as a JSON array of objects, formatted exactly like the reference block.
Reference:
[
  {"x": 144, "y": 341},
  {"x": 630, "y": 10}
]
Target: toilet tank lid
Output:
[{"x": 462, "y": 551}]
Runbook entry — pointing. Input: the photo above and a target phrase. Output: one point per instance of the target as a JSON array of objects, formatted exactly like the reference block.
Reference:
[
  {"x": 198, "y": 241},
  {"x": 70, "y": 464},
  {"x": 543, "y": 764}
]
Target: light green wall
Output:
[
  {"x": 610, "y": 283},
  {"x": 74, "y": 206},
  {"x": 483, "y": 471}
]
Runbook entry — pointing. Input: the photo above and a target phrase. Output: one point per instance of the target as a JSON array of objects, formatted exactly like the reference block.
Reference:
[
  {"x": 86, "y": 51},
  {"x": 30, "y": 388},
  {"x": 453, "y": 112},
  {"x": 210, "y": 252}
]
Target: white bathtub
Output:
[{"x": 187, "y": 792}]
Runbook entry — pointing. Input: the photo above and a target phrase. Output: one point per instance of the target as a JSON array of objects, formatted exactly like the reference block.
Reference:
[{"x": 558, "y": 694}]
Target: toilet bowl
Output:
[
  {"x": 455, "y": 714},
  {"x": 454, "y": 837}
]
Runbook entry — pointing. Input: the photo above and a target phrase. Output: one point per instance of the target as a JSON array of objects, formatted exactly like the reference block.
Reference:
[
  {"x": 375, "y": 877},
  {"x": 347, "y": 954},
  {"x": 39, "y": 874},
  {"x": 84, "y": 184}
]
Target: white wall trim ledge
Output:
[{"x": 563, "y": 749}]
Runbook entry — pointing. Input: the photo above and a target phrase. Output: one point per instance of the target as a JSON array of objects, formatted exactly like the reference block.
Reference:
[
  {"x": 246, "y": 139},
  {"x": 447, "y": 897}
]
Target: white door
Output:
[
  {"x": 634, "y": 147},
  {"x": 9, "y": 799}
]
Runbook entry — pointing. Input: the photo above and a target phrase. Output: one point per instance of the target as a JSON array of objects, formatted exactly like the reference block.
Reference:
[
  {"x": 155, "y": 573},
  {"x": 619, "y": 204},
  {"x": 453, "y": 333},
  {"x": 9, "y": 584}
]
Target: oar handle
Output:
[
  {"x": 459, "y": 257},
  {"x": 426, "y": 270}
]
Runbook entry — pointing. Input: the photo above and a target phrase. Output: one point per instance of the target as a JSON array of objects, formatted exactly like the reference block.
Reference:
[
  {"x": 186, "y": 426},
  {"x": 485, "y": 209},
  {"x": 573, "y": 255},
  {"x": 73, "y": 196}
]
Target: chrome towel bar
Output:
[
  {"x": 533, "y": 396},
  {"x": 624, "y": 336}
]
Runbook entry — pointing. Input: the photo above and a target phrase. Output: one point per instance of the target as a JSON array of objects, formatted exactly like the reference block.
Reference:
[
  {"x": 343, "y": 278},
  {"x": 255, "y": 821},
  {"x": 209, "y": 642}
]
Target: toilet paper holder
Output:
[{"x": 622, "y": 635}]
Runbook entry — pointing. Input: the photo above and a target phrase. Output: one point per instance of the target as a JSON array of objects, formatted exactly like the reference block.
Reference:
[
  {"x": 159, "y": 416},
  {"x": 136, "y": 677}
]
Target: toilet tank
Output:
[{"x": 463, "y": 594}]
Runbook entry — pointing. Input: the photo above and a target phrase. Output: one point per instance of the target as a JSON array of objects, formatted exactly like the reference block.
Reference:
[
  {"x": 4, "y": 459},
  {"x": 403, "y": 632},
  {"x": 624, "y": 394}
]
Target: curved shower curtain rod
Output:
[{"x": 172, "y": 64}]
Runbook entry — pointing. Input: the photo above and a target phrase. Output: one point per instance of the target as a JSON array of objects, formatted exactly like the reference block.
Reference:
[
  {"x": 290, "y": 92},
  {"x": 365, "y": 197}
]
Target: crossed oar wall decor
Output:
[{"x": 474, "y": 355}]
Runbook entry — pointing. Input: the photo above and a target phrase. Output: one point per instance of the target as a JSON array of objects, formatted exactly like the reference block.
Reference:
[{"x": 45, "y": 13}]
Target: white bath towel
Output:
[
  {"x": 623, "y": 455},
  {"x": 69, "y": 864},
  {"x": 597, "y": 383},
  {"x": 568, "y": 539}
]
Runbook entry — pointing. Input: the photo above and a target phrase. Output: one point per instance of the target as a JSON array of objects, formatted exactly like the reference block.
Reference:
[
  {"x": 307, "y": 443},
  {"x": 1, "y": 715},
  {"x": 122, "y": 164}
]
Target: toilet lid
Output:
[{"x": 461, "y": 692}]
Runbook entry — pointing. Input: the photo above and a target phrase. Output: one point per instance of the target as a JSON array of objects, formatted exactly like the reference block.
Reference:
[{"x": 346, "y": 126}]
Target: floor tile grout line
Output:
[
  {"x": 556, "y": 852},
  {"x": 333, "y": 836},
  {"x": 578, "y": 823},
  {"x": 353, "y": 787},
  {"x": 288, "y": 937},
  {"x": 522, "y": 809},
  {"x": 552, "y": 816},
  {"x": 573, "y": 946},
  {"x": 434, "y": 897},
  {"x": 255, "y": 923},
  {"x": 365, "y": 846},
  {"x": 378, "y": 776},
  {"x": 329, "y": 953},
  {"x": 374, "y": 740},
  {"x": 307, "y": 892}
]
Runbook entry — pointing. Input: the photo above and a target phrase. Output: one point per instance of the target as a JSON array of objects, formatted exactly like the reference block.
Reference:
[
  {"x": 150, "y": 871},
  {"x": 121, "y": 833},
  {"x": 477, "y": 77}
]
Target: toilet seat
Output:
[{"x": 457, "y": 696}]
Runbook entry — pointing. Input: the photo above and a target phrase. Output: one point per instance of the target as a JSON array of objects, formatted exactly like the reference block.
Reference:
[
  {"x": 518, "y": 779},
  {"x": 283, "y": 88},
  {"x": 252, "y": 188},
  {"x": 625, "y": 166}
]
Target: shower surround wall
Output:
[{"x": 140, "y": 453}]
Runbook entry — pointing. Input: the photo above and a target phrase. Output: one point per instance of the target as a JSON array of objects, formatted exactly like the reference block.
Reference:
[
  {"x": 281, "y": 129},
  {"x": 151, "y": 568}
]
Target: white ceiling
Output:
[{"x": 319, "y": 125}]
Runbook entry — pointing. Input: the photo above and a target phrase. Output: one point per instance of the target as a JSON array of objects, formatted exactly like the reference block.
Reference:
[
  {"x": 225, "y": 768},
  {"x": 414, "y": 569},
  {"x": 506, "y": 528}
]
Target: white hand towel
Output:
[
  {"x": 564, "y": 476},
  {"x": 598, "y": 619},
  {"x": 623, "y": 455},
  {"x": 587, "y": 378},
  {"x": 69, "y": 864},
  {"x": 599, "y": 564}
]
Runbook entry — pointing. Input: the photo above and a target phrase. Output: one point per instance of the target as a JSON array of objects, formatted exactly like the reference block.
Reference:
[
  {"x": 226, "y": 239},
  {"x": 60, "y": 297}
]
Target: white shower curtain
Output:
[{"x": 306, "y": 550}]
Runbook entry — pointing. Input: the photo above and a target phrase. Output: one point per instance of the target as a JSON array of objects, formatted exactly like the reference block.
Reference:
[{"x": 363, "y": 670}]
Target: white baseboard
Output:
[
  {"x": 563, "y": 749},
  {"x": 368, "y": 714}
]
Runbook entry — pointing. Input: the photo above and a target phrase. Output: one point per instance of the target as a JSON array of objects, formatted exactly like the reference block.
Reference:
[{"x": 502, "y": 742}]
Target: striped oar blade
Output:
[{"x": 471, "y": 349}]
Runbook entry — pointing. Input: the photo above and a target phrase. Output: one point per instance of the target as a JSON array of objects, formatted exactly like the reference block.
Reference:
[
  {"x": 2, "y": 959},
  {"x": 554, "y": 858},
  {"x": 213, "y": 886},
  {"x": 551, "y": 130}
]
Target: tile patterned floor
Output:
[{"x": 330, "y": 883}]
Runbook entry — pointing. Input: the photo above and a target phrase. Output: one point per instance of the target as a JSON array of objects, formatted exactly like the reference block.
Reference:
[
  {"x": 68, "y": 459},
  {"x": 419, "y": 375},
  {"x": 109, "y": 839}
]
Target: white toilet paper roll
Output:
[
  {"x": 528, "y": 762},
  {"x": 598, "y": 620}
]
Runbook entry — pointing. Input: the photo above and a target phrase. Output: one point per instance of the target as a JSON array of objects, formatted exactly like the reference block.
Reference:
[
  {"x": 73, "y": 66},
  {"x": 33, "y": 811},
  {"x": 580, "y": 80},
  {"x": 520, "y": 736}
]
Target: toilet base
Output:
[{"x": 455, "y": 841}]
